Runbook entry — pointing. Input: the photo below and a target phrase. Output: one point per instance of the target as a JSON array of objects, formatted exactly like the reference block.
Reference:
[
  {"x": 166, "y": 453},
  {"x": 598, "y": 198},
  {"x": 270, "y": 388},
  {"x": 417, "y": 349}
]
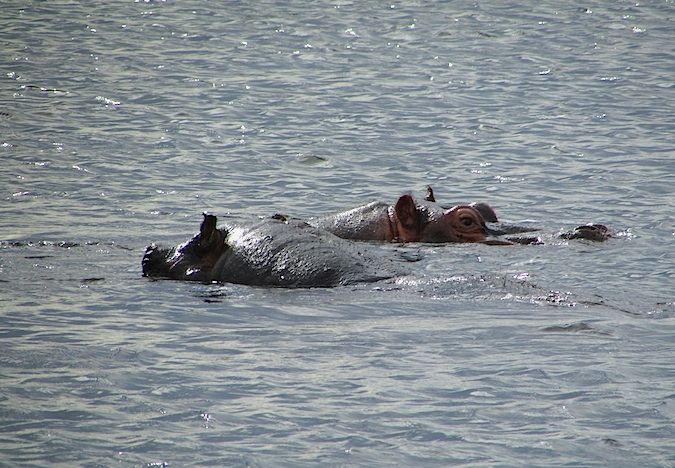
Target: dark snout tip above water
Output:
[{"x": 592, "y": 232}]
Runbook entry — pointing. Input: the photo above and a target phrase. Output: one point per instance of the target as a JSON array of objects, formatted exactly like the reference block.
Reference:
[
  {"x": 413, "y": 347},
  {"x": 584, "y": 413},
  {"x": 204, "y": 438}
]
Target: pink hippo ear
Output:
[{"x": 408, "y": 217}]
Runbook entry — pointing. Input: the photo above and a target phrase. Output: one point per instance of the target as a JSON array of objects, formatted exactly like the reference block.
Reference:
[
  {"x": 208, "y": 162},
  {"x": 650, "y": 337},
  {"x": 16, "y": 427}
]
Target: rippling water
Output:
[{"x": 121, "y": 122}]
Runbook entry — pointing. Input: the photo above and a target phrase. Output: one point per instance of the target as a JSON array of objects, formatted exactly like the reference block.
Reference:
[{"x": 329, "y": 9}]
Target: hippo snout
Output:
[
  {"x": 154, "y": 261},
  {"x": 592, "y": 232}
]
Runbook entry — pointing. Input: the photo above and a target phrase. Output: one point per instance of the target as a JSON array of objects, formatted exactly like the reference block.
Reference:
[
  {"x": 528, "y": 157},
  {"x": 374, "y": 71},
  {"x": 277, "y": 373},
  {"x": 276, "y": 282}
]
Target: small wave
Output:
[
  {"x": 110, "y": 103},
  {"x": 60, "y": 244},
  {"x": 577, "y": 327}
]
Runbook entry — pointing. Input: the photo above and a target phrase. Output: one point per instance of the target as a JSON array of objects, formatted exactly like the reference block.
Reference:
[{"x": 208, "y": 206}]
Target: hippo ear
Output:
[
  {"x": 207, "y": 229},
  {"x": 430, "y": 195},
  {"x": 485, "y": 211},
  {"x": 406, "y": 212}
]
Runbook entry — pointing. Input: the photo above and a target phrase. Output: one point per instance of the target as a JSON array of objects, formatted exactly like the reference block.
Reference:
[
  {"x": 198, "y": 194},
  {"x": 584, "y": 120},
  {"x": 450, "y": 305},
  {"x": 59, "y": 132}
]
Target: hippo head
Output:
[
  {"x": 428, "y": 223},
  {"x": 462, "y": 223},
  {"x": 193, "y": 259}
]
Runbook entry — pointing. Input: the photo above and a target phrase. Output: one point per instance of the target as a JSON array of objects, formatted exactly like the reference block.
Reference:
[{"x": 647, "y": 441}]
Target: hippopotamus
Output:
[
  {"x": 269, "y": 252},
  {"x": 428, "y": 221},
  {"x": 409, "y": 221}
]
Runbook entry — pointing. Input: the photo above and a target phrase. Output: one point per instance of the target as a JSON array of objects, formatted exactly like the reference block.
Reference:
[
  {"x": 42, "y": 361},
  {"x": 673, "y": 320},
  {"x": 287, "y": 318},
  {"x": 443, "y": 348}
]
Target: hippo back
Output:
[
  {"x": 368, "y": 222},
  {"x": 293, "y": 254}
]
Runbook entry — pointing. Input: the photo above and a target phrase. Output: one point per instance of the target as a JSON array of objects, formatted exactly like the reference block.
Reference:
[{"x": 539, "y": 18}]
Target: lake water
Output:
[{"x": 121, "y": 122}]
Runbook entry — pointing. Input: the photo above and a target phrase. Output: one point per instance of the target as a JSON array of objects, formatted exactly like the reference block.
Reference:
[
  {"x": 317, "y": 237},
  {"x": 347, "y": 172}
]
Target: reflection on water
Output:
[{"x": 121, "y": 123}]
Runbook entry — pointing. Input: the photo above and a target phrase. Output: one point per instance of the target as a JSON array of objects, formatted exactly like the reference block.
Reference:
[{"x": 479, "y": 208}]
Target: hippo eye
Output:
[{"x": 467, "y": 221}]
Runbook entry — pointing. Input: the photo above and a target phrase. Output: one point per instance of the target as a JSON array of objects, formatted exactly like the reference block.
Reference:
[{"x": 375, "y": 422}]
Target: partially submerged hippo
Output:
[
  {"x": 268, "y": 252},
  {"x": 428, "y": 221},
  {"x": 409, "y": 221}
]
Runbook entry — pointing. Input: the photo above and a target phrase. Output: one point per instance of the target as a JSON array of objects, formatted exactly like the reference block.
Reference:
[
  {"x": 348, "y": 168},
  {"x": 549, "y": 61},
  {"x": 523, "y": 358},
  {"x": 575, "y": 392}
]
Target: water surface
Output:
[{"x": 121, "y": 123}]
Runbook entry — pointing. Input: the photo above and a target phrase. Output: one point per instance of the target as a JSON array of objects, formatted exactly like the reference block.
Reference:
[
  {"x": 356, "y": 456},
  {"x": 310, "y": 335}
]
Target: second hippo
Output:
[
  {"x": 428, "y": 221},
  {"x": 269, "y": 252}
]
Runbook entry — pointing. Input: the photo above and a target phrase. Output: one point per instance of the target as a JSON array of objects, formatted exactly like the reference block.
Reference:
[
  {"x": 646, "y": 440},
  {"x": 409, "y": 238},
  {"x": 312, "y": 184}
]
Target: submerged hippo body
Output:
[
  {"x": 268, "y": 252},
  {"x": 407, "y": 221}
]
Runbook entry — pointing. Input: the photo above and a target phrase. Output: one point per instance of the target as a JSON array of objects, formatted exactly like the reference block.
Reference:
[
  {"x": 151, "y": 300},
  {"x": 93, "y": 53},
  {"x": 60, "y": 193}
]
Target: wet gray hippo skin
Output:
[
  {"x": 407, "y": 221},
  {"x": 268, "y": 252}
]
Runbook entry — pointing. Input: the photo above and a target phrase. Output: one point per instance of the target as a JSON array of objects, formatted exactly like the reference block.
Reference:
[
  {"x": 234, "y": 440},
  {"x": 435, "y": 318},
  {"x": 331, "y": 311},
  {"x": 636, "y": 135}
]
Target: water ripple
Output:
[{"x": 121, "y": 123}]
